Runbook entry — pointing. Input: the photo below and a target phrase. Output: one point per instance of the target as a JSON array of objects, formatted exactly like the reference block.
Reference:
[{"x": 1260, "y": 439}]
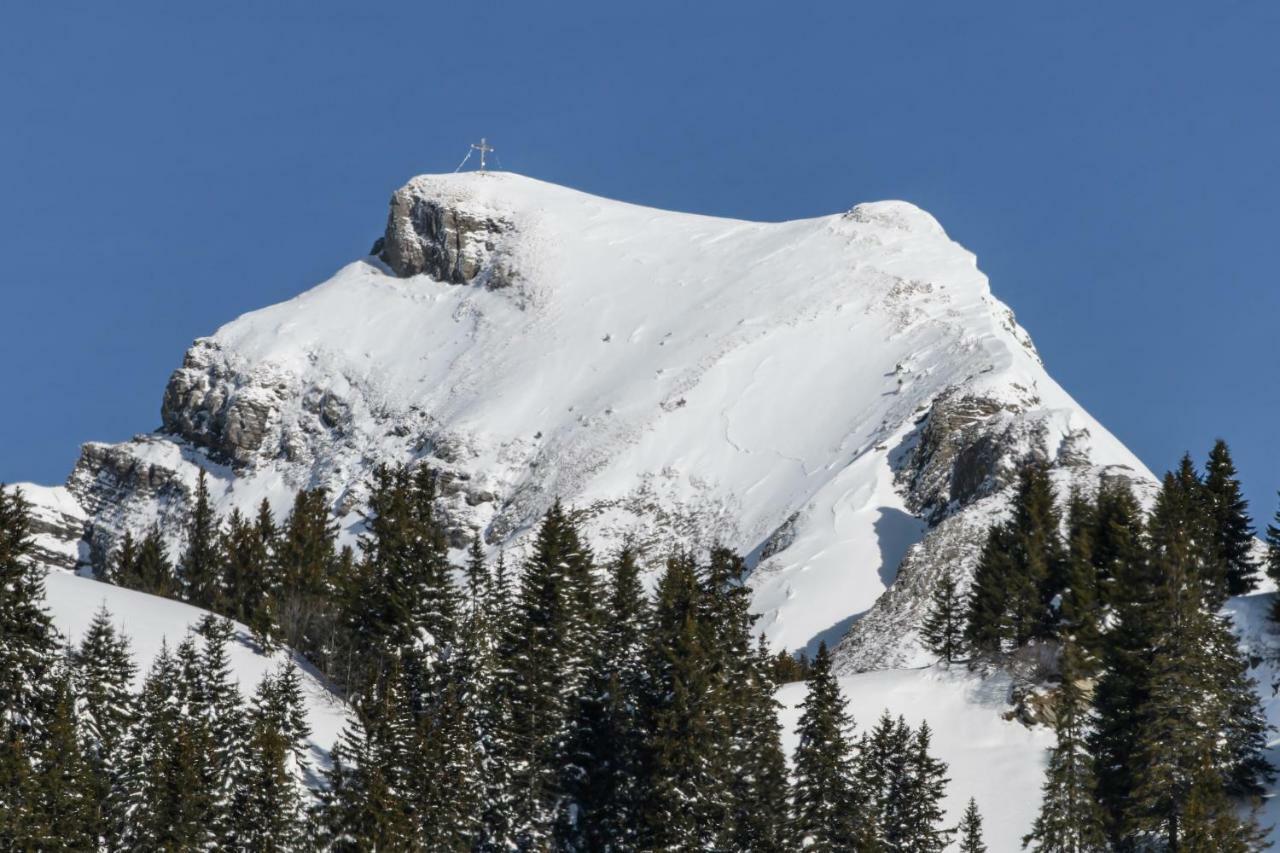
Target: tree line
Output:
[
  {"x": 1160, "y": 735},
  {"x": 566, "y": 709}
]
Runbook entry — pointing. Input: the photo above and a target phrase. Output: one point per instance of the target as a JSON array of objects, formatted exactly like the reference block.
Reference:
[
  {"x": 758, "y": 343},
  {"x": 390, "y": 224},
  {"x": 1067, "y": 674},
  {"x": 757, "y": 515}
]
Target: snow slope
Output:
[
  {"x": 677, "y": 377},
  {"x": 150, "y": 621},
  {"x": 997, "y": 762}
]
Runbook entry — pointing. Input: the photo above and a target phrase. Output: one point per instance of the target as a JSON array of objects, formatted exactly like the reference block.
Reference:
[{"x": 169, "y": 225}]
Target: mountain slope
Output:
[{"x": 826, "y": 395}]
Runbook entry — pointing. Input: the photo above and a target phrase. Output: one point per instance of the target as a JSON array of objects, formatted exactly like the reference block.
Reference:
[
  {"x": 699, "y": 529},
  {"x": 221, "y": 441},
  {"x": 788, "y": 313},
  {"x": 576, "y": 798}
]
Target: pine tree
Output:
[
  {"x": 549, "y": 660},
  {"x": 970, "y": 830},
  {"x": 104, "y": 672},
  {"x": 270, "y": 800},
  {"x": 1070, "y": 820},
  {"x": 201, "y": 564},
  {"x": 119, "y": 568},
  {"x": 306, "y": 560},
  {"x": 601, "y": 804},
  {"x": 152, "y": 571},
  {"x": 987, "y": 595},
  {"x": 943, "y": 628},
  {"x": 214, "y": 705},
  {"x": 1273, "y": 560},
  {"x": 165, "y": 751},
  {"x": 828, "y": 815},
  {"x": 1081, "y": 613},
  {"x": 252, "y": 586},
  {"x": 675, "y": 713},
  {"x": 367, "y": 804},
  {"x": 27, "y": 637},
  {"x": 1231, "y": 527},
  {"x": 921, "y": 811},
  {"x": 1181, "y": 772},
  {"x": 62, "y": 785}
]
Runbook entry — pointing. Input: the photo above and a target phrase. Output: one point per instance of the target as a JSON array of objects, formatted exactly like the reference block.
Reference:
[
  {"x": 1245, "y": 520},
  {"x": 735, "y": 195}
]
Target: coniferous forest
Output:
[{"x": 558, "y": 705}]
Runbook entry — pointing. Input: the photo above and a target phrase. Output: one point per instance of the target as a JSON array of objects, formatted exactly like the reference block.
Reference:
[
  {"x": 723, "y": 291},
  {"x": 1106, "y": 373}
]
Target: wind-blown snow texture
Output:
[{"x": 840, "y": 398}]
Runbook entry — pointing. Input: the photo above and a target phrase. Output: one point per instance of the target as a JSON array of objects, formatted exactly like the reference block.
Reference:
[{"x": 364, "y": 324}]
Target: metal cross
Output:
[{"x": 483, "y": 148}]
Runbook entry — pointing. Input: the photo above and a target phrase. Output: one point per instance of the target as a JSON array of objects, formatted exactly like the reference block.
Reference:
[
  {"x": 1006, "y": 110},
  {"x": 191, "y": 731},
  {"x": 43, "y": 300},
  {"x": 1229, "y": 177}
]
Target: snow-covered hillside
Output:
[{"x": 818, "y": 394}]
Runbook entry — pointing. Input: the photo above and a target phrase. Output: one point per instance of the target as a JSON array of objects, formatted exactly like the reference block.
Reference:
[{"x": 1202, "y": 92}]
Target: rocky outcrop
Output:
[{"x": 449, "y": 242}]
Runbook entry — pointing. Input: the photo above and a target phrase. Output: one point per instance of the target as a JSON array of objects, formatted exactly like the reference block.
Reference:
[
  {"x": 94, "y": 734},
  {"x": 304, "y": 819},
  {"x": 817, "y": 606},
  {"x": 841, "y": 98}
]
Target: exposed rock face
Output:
[{"x": 447, "y": 242}]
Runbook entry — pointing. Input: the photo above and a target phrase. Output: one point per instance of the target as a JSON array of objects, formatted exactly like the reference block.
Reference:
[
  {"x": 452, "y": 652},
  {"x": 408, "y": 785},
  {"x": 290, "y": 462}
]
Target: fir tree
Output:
[
  {"x": 152, "y": 571},
  {"x": 270, "y": 801},
  {"x": 943, "y": 628},
  {"x": 27, "y": 638},
  {"x": 119, "y": 568},
  {"x": 1231, "y": 527},
  {"x": 104, "y": 672},
  {"x": 970, "y": 830},
  {"x": 827, "y": 812},
  {"x": 63, "y": 788},
  {"x": 1081, "y": 614},
  {"x": 987, "y": 595},
  {"x": 306, "y": 560},
  {"x": 252, "y": 583},
  {"x": 1273, "y": 560},
  {"x": 920, "y": 814},
  {"x": 201, "y": 564},
  {"x": 675, "y": 713},
  {"x": 1070, "y": 820}
]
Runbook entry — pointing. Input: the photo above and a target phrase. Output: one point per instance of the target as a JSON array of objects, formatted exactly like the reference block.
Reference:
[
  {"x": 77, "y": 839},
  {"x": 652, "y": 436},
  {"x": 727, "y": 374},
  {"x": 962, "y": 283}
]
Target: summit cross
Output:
[{"x": 484, "y": 148}]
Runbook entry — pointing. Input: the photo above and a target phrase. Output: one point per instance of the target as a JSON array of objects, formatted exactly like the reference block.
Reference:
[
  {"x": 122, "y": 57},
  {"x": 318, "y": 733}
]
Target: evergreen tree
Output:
[
  {"x": 306, "y": 563},
  {"x": 214, "y": 706},
  {"x": 1070, "y": 820},
  {"x": 367, "y": 804},
  {"x": 119, "y": 568},
  {"x": 252, "y": 585},
  {"x": 987, "y": 595},
  {"x": 1231, "y": 527},
  {"x": 971, "y": 830},
  {"x": 152, "y": 571},
  {"x": 201, "y": 563},
  {"x": 1181, "y": 771},
  {"x": 675, "y": 714},
  {"x": 27, "y": 637},
  {"x": 62, "y": 785},
  {"x": 920, "y": 813},
  {"x": 270, "y": 800},
  {"x": 1273, "y": 560},
  {"x": 943, "y": 628},
  {"x": 828, "y": 815},
  {"x": 165, "y": 750},
  {"x": 601, "y": 780},
  {"x": 549, "y": 660},
  {"x": 1081, "y": 613},
  {"x": 104, "y": 672}
]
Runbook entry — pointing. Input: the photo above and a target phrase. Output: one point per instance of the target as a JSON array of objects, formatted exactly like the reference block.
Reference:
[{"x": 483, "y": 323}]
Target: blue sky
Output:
[{"x": 166, "y": 166}]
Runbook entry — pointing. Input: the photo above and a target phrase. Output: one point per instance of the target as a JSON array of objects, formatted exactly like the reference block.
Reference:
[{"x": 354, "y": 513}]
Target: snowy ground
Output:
[
  {"x": 998, "y": 762},
  {"x": 150, "y": 621}
]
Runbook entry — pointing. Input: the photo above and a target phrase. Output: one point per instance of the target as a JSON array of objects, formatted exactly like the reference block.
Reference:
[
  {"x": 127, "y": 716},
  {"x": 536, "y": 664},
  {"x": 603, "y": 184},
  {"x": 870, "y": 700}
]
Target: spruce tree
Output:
[
  {"x": 828, "y": 815},
  {"x": 970, "y": 830},
  {"x": 1181, "y": 770},
  {"x": 252, "y": 585},
  {"x": 27, "y": 636},
  {"x": 1070, "y": 819},
  {"x": 306, "y": 561},
  {"x": 1039, "y": 573},
  {"x": 1231, "y": 527},
  {"x": 152, "y": 571},
  {"x": 943, "y": 628},
  {"x": 984, "y": 624},
  {"x": 119, "y": 568},
  {"x": 201, "y": 564},
  {"x": 63, "y": 787},
  {"x": 675, "y": 713},
  {"x": 921, "y": 810},
  {"x": 1081, "y": 616},
  {"x": 104, "y": 672},
  {"x": 1273, "y": 560},
  {"x": 270, "y": 800}
]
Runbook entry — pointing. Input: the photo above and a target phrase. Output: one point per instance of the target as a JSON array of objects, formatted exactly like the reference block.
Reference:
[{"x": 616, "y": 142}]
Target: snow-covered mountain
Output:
[{"x": 840, "y": 398}]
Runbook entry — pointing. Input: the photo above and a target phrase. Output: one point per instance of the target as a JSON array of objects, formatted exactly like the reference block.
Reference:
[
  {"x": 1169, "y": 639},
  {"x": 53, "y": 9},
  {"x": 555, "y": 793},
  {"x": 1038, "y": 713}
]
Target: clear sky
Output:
[{"x": 167, "y": 166}]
